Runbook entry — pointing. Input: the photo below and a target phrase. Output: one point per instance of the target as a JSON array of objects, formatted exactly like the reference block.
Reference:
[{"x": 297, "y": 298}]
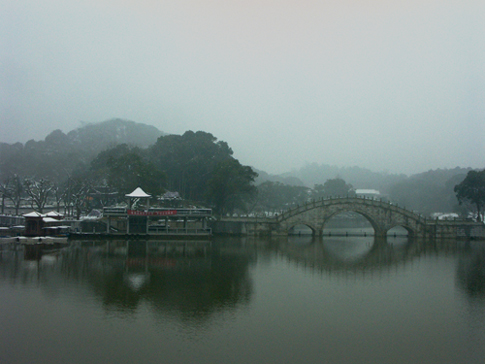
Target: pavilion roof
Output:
[
  {"x": 138, "y": 193},
  {"x": 33, "y": 214},
  {"x": 54, "y": 214}
]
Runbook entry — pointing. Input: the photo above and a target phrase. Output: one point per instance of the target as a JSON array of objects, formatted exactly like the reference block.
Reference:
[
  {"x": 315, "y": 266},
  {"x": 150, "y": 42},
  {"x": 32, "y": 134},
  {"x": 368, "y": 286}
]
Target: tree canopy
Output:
[
  {"x": 189, "y": 160},
  {"x": 334, "y": 187},
  {"x": 472, "y": 190},
  {"x": 230, "y": 186},
  {"x": 276, "y": 196},
  {"x": 125, "y": 168}
]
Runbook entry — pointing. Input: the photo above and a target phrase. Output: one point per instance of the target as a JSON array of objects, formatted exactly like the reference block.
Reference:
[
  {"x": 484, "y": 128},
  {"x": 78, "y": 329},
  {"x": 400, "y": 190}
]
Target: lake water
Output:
[{"x": 241, "y": 300}]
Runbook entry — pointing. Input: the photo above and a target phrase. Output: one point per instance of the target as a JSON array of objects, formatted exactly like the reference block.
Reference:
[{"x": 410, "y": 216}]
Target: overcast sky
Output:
[{"x": 395, "y": 85}]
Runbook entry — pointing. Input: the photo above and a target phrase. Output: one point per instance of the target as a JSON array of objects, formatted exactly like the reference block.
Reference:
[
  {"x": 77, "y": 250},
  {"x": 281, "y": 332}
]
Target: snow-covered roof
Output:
[
  {"x": 33, "y": 214},
  {"x": 138, "y": 193},
  {"x": 54, "y": 214},
  {"x": 170, "y": 196},
  {"x": 367, "y": 191},
  {"x": 49, "y": 219}
]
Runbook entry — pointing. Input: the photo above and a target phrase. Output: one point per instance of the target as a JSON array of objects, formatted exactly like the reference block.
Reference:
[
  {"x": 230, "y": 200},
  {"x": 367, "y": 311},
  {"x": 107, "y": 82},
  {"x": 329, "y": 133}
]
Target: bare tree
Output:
[
  {"x": 38, "y": 192},
  {"x": 59, "y": 195},
  {"x": 16, "y": 190},
  {"x": 4, "y": 192},
  {"x": 77, "y": 196},
  {"x": 78, "y": 200}
]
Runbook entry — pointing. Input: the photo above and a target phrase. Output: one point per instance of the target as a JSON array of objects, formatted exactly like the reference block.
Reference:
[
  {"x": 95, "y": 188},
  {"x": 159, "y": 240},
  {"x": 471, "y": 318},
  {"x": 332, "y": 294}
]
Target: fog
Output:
[{"x": 386, "y": 85}]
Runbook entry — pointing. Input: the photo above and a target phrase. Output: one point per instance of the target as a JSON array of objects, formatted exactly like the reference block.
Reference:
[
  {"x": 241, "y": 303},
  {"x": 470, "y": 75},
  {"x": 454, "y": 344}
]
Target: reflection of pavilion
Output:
[
  {"x": 140, "y": 218},
  {"x": 190, "y": 279}
]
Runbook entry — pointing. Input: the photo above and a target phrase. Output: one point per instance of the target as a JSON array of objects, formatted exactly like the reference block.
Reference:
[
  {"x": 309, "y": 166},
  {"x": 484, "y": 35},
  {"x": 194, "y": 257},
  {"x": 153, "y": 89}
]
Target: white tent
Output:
[{"x": 138, "y": 193}]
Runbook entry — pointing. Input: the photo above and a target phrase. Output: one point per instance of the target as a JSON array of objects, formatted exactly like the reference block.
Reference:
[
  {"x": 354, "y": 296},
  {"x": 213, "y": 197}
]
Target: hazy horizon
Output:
[{"x": 389, "y": 86}]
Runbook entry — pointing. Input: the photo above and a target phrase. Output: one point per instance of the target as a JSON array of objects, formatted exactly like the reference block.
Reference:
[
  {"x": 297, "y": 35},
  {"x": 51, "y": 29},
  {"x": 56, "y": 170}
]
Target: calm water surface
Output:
[{"x": 336, "y": 300}]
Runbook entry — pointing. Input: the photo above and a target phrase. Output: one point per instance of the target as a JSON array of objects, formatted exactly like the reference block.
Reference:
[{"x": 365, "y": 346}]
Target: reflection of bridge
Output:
[
  {"x": 383, "y": 216},
  {"x": 378, "y": 255}
]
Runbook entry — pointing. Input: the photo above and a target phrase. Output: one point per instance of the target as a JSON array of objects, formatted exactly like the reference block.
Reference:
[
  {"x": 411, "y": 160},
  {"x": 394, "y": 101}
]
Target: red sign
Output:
[{"x": 152, "y": 213}]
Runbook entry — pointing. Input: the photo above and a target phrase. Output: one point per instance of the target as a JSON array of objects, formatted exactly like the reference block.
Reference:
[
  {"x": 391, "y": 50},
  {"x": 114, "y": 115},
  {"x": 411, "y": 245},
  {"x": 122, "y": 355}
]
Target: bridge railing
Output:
[
  {"x": 321, "y": 202},
  {"x": 394, "y": 206}
]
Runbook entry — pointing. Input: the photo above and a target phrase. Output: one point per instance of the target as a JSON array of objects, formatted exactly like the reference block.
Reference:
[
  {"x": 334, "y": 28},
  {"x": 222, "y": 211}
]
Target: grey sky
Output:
[{"x": 387, "y": 85}]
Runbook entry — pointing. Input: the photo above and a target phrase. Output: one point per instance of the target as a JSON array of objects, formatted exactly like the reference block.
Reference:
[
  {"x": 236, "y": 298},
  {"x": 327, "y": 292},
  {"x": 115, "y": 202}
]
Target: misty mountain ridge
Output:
[
  {"x": 427, "y": 192},
  {"x": 60, "y": 152},
  {"x": 312, "y": 174},
  {"x": 84, "y": 143},
  {"x": 100, "y": 135},
  {"x": 115, "y": 131},
  {"x": 286, "y": 178}
]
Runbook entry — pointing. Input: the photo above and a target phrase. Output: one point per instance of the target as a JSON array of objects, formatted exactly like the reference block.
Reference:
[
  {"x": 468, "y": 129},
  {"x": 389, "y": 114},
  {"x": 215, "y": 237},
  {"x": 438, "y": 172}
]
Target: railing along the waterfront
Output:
[
  {"x": 179, "y": 231},
  {"x": 11, "y": 220},
  {"x": 120, "y": 211}
]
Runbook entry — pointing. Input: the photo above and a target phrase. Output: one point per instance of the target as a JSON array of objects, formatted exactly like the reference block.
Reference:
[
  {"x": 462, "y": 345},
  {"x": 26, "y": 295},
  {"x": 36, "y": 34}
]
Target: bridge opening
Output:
[
  {"x": 300, "y": 230},
  {"x": 397, "y": 231},
  {"x": 348, "y": 223}
]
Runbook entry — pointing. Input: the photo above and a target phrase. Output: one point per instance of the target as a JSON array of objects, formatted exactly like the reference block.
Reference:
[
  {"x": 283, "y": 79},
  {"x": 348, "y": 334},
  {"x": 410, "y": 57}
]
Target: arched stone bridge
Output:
[{"x": 383, "y": 216}]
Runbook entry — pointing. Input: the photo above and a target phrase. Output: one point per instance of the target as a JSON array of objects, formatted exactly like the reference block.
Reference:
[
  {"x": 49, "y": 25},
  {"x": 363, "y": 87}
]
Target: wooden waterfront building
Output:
[
  {"x": 140, "y": 218},
  {"x": 37, "y": 224}
]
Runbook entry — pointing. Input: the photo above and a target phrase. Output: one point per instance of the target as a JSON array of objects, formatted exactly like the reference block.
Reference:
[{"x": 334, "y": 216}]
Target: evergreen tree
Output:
[{"x": 472, "y": 190}]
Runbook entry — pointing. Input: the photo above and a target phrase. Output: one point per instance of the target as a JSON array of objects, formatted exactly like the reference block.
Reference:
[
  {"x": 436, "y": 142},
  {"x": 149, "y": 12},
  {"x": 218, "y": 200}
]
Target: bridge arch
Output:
[
  {"x": 411, "y": 233},
  {"x": 381, "y": 215},
  {"x": 344, "y": 209},
  {"x": 308, "y": 225}
]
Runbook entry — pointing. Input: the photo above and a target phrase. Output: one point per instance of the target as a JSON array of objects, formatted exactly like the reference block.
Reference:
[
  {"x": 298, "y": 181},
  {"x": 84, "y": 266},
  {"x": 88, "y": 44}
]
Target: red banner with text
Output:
[{"x": 152, "y": 213}]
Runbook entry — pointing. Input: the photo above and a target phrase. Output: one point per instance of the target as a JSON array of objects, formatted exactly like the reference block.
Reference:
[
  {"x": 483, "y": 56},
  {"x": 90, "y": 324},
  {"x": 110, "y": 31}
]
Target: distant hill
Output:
[
  {"x": 431, "y": 191},
  {"x": 313, "y": 174},
  {"x": 59, "y": 153},
  {"x": 428, "y": 192},
  {"x": 288, "y": 180},
  {"x": 115, "y": 131}
]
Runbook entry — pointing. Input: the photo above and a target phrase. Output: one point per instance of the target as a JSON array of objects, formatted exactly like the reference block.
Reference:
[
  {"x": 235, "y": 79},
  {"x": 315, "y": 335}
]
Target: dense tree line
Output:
[
  {"x": 195, "y": 164},
  {"x": 472, "y": 191},
  {"x": 96, "y": 165},
  {"x": 274, "y": 197}
]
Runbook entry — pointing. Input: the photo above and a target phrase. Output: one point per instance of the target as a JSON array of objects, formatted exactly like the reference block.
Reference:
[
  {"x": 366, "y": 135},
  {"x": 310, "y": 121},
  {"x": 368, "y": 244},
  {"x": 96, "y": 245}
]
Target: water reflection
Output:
[
  {"x": 471, "y": 270},
  {"x": 199, "y": 278},
  {"x": 349, "y": 254},
  {"x": 196, "y": 280},
  {"x": 190, "y": 280},
  {"x": 187, "y": 279},
  {"x": 372, "y": 300}
]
